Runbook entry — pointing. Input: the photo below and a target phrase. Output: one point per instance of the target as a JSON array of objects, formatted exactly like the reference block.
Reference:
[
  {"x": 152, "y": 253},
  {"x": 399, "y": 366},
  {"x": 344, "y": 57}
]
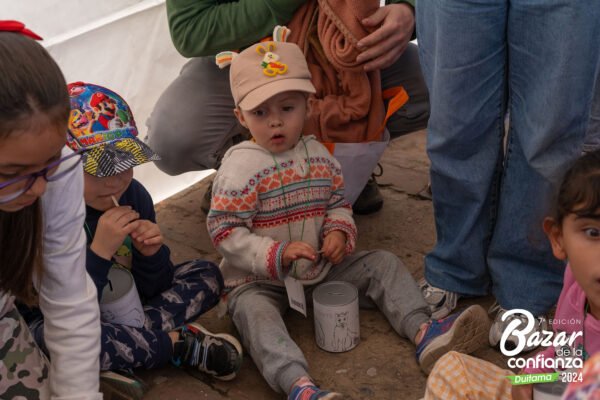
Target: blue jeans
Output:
[
  {"x": 592, "y": 136},
  {"x": 538, "y": 60}
]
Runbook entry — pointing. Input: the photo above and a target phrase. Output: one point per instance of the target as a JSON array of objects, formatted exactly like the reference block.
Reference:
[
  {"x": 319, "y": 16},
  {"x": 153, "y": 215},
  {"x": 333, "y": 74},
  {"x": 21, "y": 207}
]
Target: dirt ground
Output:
[{"x": 383, "y": 365}]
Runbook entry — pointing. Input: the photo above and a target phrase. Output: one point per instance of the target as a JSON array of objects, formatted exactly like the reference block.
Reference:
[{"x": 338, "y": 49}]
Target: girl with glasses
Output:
[{"x": 42, "y": 244}]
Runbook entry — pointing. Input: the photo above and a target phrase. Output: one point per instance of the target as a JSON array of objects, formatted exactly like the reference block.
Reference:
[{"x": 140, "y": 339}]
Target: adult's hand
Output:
[{"x": 395, "y": 24}]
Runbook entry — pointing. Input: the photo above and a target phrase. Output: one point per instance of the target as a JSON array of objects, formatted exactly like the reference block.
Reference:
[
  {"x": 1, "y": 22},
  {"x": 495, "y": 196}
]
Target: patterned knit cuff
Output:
[
  {"x": 348, "y": 229},
  {"x": 275, "y": 260}
]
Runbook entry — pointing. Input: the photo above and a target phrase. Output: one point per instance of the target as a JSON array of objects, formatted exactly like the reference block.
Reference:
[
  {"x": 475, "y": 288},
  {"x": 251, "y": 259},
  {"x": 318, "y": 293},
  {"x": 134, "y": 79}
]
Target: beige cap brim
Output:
[{"x": 265, "y": 92}]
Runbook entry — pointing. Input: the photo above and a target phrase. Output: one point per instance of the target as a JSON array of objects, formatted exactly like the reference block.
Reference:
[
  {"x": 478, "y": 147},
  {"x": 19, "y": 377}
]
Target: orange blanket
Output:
[{"x": 348, "y": 106}]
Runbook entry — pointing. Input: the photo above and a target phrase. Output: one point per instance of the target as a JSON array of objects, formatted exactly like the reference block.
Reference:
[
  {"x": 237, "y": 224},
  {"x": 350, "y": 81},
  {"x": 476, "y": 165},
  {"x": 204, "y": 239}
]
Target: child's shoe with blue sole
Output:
[
  {"x": 465, "y": 331},
  {"x": 312, "y": 392},
  {"x": 216, "y": 354}
]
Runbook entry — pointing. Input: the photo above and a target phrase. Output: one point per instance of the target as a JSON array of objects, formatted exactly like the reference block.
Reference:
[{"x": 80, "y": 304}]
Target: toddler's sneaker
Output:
[
  {"x": 121, "y": 386},
  {"x": 498, "y": 327},
  {"x": 311, "y": 392},
  {"x": 464, "y": 331},
  {"x": 219, "y": 355},
  {"x": 441, "y": 302}
]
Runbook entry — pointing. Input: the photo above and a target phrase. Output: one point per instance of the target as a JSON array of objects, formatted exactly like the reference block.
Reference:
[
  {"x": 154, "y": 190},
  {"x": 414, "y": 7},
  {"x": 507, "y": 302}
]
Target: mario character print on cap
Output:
[
  {"x": 104, "y": 109},
  {"x": 101, "y": 123}
]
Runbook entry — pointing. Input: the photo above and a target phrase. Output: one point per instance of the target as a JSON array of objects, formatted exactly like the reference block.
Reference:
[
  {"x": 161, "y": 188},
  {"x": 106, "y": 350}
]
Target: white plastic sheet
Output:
[{"x": 124, "y": 45}]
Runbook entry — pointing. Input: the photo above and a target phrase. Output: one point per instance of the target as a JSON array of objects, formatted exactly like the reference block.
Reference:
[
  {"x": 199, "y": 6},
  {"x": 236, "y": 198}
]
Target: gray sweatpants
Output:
[
  {"x": 382, "y": 280},
  {"x": 192, "y": 124}
]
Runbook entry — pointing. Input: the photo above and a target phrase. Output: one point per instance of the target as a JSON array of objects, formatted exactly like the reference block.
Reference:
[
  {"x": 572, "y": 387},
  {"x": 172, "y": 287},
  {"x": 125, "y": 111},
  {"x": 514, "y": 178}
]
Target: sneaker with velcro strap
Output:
[
  {"x": 216, "y": 354},
  {"x": 441, "y": 302}
]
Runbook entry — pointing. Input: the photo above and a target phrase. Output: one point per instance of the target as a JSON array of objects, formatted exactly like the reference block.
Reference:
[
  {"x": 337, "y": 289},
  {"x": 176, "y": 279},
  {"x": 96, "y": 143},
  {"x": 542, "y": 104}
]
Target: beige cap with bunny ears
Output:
[{"x": 265, "y": 69}]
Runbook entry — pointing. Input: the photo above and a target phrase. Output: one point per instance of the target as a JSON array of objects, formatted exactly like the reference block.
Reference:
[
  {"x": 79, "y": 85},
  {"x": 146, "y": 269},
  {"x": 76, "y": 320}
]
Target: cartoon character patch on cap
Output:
[
  {"x": 270, "y": 63},
  {"x": 265, "y": 69}
]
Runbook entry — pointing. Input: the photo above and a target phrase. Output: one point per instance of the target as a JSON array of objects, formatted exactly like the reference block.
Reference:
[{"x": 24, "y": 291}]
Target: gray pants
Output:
[
  {"x": 192, "y": 124},
  {"x": 381, "y": 279}
]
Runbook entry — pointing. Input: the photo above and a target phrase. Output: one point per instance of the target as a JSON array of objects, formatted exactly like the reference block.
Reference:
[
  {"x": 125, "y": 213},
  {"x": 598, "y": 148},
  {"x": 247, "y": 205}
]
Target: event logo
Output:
[{"x": 566, "y": 356}]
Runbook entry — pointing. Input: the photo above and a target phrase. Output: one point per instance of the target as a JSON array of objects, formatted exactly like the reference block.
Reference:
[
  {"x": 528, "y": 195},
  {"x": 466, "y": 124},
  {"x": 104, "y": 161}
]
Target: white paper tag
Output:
[{"x": 295, "y": 292}]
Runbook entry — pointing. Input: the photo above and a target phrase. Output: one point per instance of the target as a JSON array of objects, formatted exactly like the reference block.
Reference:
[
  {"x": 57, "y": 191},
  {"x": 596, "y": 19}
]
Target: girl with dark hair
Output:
[
  {"x": 574, "y": 232},
  {"x": 42, "y": 244}
]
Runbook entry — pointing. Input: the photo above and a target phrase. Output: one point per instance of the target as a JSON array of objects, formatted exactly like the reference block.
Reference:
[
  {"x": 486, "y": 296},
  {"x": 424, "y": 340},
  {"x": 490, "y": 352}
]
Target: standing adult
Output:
[
  {"x": 536, "y": 59},
  {"x": 592, "y": 136},
  {"x": 192, "y": 124}
]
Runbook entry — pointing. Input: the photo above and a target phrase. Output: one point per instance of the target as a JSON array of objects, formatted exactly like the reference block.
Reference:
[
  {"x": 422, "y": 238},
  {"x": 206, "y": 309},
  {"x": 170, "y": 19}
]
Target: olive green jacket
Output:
[{"x": 206, "y": 27}]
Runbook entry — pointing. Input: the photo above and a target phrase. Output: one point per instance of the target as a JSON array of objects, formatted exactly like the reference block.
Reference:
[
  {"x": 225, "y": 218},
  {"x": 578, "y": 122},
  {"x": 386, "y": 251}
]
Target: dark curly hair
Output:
[{"x": 579, "y": 191}]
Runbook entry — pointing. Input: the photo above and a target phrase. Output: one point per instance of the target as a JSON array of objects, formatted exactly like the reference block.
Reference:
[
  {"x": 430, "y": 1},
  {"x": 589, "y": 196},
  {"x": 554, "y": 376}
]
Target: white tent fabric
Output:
[{"x": 124, "y": 45}]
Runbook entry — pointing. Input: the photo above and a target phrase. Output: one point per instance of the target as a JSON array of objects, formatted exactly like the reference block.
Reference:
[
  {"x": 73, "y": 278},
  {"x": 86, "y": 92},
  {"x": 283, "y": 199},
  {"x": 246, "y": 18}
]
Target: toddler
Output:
[{"x": 278, "y": 214}]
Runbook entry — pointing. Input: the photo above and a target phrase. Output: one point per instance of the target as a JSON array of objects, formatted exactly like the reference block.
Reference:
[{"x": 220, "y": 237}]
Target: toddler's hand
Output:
[
  {"x": 146, "y": 237},
  {"x": 113, "y": 226},
  {"x": 296, "y": 250},
  {"x": 334, "y": 246}
]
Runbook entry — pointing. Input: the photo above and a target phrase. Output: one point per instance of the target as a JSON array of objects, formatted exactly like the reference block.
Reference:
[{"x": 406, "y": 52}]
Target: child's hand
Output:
[
  {"x": 334, "y": 246},
  {"x": 296, "y": 250},
  {"x": 522, "y": 392},
  {"x": 113, "y": 226},
  {"x": 146, "y": 237}
]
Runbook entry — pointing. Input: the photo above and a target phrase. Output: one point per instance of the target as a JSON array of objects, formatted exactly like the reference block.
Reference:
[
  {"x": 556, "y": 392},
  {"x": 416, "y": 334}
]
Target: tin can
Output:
[
  {"x": 337, "y": 326},
  {"x": 120, "y": 303}
]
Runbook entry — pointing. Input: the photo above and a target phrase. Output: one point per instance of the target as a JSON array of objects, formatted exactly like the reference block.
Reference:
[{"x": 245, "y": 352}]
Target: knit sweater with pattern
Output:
[{"x": 262, "y": 201}]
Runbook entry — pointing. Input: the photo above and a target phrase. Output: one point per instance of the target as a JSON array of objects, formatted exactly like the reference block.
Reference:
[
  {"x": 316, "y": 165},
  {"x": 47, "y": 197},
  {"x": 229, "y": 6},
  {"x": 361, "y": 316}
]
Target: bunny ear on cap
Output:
[
  {"x": 17, "y": 27},
  {"x": 224, "y": 58},
  {"x": 281, "y": 33}
]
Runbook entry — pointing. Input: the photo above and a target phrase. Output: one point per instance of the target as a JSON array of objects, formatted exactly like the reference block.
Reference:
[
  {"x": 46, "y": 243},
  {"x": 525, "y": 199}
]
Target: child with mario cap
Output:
[
  {"x": 278, "y": 211},
  {"x": 121, "y": 230}
]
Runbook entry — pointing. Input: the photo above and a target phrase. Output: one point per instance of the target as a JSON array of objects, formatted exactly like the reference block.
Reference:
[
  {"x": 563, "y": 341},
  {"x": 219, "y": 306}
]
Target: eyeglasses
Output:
[{"x": 51, "y": 172}]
